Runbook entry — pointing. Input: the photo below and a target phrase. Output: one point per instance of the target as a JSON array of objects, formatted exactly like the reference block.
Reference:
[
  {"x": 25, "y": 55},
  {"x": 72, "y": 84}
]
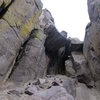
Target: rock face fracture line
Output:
[
  {"x": 10, "y": 69},
  {"x": 17, "y": 58},
  {"x": 3, "y": 11}
]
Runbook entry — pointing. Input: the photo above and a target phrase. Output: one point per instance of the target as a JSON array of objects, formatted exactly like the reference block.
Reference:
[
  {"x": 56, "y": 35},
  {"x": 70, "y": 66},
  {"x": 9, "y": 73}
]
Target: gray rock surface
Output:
[
  {"x": 83, "y": 93},
  {"x": 81, "y": 68},
  {"x": 16, "y": 23},
  {"x": 32, "y": 62},
  {"x": 70, "y": 71},
  {"x": 52, "y": 88},
  {"x": 92, "y": 39},
  {"x": 76, "y": 44}
]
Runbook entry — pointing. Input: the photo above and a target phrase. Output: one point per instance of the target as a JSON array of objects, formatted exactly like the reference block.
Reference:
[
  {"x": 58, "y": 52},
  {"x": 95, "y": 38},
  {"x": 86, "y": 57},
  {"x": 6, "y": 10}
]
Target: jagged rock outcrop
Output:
[
  {"x": 92, "y": 41},
  {"x": 17, "y": 19}
]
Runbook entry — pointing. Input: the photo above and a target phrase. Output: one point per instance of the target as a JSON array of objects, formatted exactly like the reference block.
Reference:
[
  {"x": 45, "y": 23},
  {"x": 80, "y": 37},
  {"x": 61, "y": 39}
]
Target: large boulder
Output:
[
  {"x": 76, "y": 44},
  {"x": 70, "y": 71},
  {"x": 32, "y": 61},
  {"x": 16, "y": 23}
]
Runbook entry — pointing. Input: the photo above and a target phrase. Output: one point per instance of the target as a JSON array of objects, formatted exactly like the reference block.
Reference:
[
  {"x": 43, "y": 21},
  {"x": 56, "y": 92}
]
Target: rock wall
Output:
[
  {"x": 32, "y": 62},
  {"x": 17, "y": 19},
  {"x": 92, "y": 40}
]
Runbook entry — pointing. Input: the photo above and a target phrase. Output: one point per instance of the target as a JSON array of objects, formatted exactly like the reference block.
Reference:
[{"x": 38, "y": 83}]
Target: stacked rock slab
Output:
[
  {"x": 92, "y": 40},
  {"x": 16, "y": 23}
]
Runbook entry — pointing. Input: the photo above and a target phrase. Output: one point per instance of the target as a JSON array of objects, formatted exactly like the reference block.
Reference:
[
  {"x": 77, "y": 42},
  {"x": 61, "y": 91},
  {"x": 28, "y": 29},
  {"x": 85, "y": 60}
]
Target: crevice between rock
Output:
[
  {"x": 36, "y": 4},
  {"x": 21, "y": 51},
  {"x": 2, "y": 7},
  {"x": 4, "y": 10}
]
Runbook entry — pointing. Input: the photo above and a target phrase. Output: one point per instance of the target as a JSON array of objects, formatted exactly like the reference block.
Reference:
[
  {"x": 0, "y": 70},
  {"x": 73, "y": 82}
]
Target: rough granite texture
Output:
[
  {"x": 92, "y": 40},
  {"x": 17, "y": 22}
]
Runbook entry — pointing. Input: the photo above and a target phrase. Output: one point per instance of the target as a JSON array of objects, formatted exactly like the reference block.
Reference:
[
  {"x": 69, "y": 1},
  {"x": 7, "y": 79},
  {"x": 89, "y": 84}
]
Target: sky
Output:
[{"x": 69, "y": 15}]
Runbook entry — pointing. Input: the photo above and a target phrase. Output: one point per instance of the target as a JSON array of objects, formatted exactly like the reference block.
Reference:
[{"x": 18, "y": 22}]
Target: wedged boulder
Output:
[
  {"x": 32, "y": 62},
  {"x": 92, "y": 40},
  {"x": 76, "y": 44},
  {"x": 9, "y": 47},
  {"x": 17, "y": 22},
  {"x": 81, "y": 68}
]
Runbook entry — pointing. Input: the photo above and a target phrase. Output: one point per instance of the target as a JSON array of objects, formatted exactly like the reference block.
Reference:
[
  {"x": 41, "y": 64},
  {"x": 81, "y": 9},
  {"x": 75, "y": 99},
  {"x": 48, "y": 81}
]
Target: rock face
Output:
[
  {"x": 31, "y": 63},
  {"x": 81, "y": 68},
  {"x": 83, "y": 93},
  {"x": 17, "y": 20},
  {"x": 92, "y": 39},
  {"x": 77, "y": 66}
]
